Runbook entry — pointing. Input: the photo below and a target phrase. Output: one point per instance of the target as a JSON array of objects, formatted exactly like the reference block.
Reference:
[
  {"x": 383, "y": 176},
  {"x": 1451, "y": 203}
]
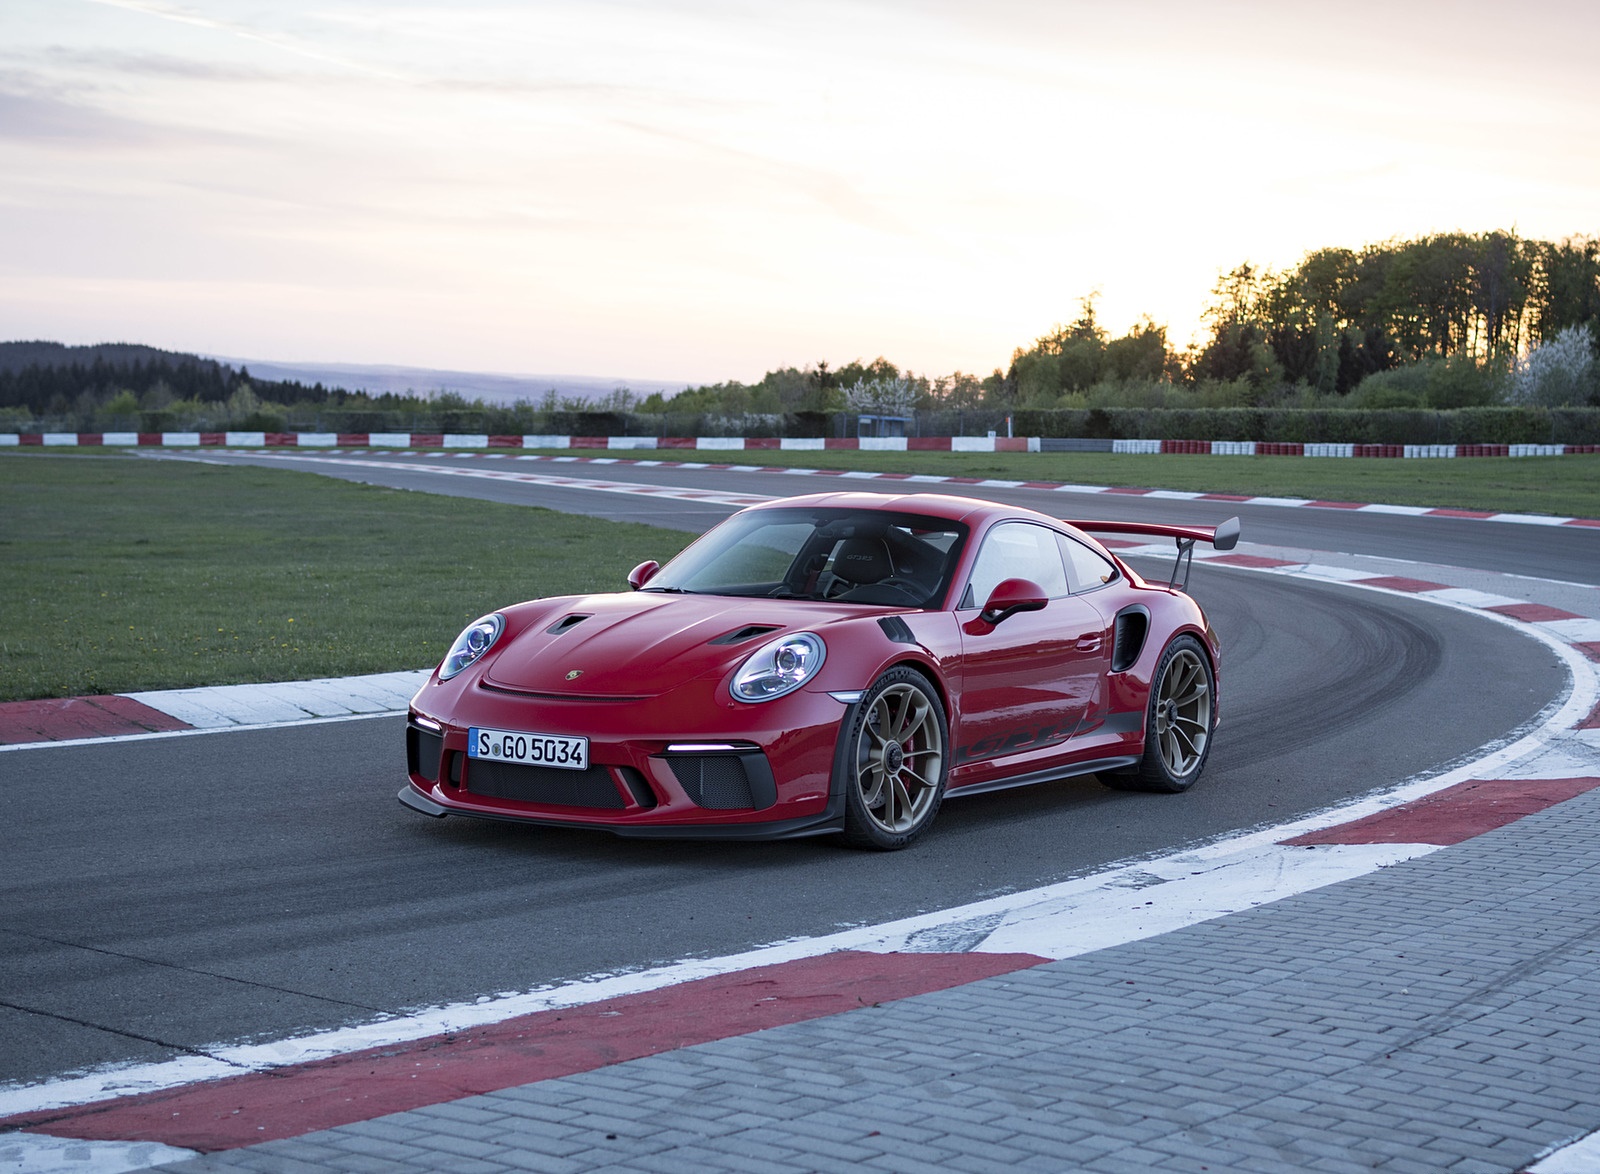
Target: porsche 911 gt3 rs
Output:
[{"x": 835, "y": 663}]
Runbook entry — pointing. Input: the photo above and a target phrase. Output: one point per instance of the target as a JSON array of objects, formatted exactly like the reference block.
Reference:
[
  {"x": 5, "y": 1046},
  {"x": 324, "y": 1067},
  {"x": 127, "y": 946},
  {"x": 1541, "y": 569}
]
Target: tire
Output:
[
  {"x": 1178, "y": 722},
  {"x": 895, "y": 762}
]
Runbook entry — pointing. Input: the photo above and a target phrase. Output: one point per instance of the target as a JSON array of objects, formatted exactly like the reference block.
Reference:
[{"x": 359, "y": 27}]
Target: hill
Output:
[
  {"x": 14, "y": 356},
  {"x": 490, "y": 387}
]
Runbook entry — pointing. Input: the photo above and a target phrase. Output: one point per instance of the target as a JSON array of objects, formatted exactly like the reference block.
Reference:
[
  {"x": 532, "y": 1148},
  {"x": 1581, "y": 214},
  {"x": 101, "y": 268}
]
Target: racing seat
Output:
[{"x": 857, "y": 562}]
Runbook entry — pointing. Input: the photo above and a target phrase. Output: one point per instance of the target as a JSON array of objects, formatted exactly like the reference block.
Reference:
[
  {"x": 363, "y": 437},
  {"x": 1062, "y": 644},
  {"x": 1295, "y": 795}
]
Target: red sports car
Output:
[{"x": 832, "y": 663}]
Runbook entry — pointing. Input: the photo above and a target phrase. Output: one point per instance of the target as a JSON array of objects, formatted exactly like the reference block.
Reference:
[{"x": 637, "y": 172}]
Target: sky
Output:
[{"x": 704, "y": 190}]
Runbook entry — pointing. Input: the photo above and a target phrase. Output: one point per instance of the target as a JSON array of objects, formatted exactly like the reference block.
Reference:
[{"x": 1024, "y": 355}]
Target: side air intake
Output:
[{"x": 1132, "y": 626}]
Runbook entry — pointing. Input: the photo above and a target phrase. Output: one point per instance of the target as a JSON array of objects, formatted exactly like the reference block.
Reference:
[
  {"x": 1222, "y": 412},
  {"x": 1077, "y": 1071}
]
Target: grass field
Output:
[{"x": 120, "y": 574}]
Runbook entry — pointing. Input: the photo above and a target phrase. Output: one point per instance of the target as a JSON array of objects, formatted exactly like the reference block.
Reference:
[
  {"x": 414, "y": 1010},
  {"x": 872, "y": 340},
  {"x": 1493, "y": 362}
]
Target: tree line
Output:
[
  {"x": 1482, "y": 301},
  {"x": 1444, "y": 321},
  {"x": 122, "y": 386}
]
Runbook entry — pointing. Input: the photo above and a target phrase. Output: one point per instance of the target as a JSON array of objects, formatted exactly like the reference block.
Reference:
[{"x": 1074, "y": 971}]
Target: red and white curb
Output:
[
  {"x": 482, "y": 473},
  {"x": 471, "y": 468},
  {"x": 222, "y": 1099},
  {"x": 75, "y": 721}
]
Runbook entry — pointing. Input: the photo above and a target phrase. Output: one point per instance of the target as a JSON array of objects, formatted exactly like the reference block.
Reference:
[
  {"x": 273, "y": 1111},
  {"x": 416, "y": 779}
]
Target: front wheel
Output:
[
  {"x": 895, "y": 762},
  {"x": 1178, "y": 723}
]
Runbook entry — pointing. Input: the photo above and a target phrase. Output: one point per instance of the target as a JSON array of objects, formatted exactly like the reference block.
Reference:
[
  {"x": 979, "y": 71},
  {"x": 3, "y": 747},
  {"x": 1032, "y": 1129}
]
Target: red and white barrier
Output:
[{"x": 414, "y": 440}]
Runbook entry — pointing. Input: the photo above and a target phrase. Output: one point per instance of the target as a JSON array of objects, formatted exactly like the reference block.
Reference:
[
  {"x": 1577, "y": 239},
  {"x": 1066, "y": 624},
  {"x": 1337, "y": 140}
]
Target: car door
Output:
[{"x": 1029, "y": 681}]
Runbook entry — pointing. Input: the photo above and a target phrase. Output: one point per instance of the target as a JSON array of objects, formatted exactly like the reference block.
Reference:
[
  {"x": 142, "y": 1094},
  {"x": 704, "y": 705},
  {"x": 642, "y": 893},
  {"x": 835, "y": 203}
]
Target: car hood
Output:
[{"x": 642, "y": 644}]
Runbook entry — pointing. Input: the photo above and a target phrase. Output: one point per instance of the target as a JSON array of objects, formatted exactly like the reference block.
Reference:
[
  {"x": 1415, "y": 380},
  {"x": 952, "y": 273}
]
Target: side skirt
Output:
[{"x": 1072, "y": 770}]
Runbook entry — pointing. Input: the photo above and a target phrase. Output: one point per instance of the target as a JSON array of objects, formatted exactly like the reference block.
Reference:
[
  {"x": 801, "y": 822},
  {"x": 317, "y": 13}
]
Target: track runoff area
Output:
[{"x": 273, "y": 1088}]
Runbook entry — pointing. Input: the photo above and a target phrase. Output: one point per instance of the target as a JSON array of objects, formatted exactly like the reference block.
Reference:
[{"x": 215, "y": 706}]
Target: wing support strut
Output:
[{"x": 1223, "y": 537}]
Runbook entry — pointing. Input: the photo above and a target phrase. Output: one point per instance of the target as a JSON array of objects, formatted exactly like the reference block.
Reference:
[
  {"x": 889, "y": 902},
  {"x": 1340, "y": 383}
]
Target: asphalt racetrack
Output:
[{"x": 167, "y": 894}]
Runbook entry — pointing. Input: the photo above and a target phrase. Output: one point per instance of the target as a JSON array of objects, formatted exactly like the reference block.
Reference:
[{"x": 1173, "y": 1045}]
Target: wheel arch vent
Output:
[{"x": 897, "y": 630}]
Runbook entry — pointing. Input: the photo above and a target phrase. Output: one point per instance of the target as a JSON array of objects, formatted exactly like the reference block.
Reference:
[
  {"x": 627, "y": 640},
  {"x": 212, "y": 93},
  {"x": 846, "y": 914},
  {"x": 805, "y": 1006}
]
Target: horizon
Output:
[
  {"x": 709, "y": 191},
  {"x": 426, "y": 382}
]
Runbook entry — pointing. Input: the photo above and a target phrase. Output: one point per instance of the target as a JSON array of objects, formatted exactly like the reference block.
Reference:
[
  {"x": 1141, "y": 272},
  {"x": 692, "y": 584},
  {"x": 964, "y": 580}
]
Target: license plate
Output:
[{"x": 529, "y": 749}]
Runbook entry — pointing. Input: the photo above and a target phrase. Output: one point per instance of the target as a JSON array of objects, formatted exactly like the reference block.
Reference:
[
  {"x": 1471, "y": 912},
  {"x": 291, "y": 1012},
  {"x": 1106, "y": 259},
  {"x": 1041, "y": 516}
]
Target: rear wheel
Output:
[
  {"x": 895, "y": 762},
  {"x": 1177, "y": 732}
]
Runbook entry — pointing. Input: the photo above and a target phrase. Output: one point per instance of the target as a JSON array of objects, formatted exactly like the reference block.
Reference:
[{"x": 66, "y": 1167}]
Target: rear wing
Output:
[{"x": 1223, "y": 537}]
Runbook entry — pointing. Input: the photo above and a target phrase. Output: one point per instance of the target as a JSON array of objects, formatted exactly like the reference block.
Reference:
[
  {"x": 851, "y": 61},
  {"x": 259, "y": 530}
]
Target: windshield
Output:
[{"x": 854, "y": 556}]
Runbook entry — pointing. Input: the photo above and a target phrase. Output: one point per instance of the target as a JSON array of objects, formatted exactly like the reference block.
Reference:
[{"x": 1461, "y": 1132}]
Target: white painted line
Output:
[
  {"x": 1410, "y": 511},
  {"x": 1472, "y": 599},
  {"x": 286, "y": 701},
  {"x": 1582, "y": 631},
  {"x": 35, "y": 1153},
  {"x": 1579, "y": 1157},
  {"x": 1529, "y": 519},
  {"x": 499, "y": 474},
  {"x": 1155, "y": 898},
  {"x": 1330, "y": 574}
]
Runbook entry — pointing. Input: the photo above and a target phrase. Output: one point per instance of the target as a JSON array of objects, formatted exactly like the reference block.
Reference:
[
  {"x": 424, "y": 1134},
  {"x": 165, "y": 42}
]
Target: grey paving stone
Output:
[
  {"x": 541, "y": 1163},
  {"x": 475, "y": 1112},
  {"x": 537, "y": 1142},
  {"x": 1441, "y": 1014},
  {"x": 386, "y": 1150}
]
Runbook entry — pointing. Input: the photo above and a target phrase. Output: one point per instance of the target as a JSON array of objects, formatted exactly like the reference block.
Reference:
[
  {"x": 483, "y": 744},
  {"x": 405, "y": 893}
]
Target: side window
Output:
[
  {"x": 1017, "y": 550},
  {"x": 1089, "y": 569}
]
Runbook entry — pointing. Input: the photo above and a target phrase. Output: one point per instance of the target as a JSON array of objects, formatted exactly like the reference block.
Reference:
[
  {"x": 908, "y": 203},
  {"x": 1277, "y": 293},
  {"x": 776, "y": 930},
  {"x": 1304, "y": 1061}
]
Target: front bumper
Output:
[
  {"x": 735, "y": 771},
  {"x": 826, "y": 823}
]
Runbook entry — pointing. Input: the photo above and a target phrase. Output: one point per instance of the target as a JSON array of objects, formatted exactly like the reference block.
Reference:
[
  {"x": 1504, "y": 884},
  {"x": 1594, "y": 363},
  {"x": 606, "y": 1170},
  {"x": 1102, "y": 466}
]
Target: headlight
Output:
[
  {"x": 471, "y": 644},
  {"x": 779, "y": 667}
]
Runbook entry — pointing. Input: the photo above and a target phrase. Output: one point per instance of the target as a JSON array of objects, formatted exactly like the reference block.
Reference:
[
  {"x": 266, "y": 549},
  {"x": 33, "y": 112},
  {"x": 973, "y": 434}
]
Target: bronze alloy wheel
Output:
[
  {"x": 1178, "y": 723},
  {"x": 1182, "y": 713},
  {"x": 898, "y": 760}
]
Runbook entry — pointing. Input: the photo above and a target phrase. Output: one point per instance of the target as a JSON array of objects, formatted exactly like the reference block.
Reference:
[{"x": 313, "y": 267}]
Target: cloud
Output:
[
  {"x": 282, "y": 41},
  {"x": 827, "y": 188},
  {"x": 46, "y": 120},
  {"x": 158, "y": 65},
  {"x": 27, "y": 118}
]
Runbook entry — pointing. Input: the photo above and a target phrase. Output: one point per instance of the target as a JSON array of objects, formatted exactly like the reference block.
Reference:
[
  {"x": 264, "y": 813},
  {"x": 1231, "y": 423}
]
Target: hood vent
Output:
[
  {"x": 565, "y": 623},
  {"x": 749, "y": 632}
]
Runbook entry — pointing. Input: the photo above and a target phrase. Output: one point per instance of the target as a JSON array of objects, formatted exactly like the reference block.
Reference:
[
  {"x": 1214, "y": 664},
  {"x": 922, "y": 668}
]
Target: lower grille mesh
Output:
[
  {"x": 542, "y": 784},
  {"x": 723, "y": 782}
]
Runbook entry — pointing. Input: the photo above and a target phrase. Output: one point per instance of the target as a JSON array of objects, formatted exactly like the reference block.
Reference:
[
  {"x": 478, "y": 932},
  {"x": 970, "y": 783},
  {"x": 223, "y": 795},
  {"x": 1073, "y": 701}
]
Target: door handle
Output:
[{"x": 1089, "y": 643}]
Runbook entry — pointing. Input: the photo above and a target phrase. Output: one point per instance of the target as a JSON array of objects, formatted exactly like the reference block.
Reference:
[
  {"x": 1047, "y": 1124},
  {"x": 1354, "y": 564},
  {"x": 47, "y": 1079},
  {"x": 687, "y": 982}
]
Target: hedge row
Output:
[
  {"x": 1307, "y": 426},
  {"x": 1314, "y": 426}
]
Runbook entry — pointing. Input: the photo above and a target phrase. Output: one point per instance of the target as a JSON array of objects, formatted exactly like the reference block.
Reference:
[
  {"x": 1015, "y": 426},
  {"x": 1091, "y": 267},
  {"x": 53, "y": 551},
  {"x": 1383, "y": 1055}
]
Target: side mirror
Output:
[
  {"x": 642, "y": 574},
  {"x": 1011, "y": 596}
]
